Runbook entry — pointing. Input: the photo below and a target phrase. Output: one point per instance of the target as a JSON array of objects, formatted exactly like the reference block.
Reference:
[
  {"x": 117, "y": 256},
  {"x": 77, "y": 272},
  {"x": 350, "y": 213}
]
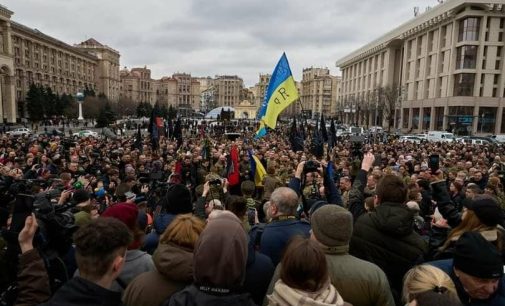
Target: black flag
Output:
[
  {"x": 317, "y": 144},
  {"x": 324, "y": 133},
  {"x": 295, "y": 138},
  {"x": 332, "y": 138}
]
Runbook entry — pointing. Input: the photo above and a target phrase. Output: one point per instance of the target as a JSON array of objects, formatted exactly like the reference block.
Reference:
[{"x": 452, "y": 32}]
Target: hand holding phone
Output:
[{"x": 434, "y": 163}]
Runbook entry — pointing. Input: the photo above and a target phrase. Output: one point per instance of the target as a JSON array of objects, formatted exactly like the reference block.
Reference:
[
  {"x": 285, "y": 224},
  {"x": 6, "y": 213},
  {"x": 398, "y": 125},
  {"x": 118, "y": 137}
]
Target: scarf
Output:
[{"x": 287, "y": 296}]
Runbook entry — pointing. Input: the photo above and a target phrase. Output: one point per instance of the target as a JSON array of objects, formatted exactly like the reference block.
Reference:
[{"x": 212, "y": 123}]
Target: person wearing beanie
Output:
[
  {"x": 136, "y": 261},
  {"x": 176, "y": 201},
  {"x": 476, "y": 270},
  {"x": 219, "y": 265},
  {"x": 481, "y": 214},
  {"x": 358, "y": 281}
]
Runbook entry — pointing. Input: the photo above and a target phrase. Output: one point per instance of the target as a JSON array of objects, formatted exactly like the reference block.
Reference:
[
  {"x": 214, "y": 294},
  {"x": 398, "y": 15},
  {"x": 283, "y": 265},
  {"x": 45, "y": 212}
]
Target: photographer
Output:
[
  {"x": 357, "y": 192},
  {"x": 304, "y": 175}
]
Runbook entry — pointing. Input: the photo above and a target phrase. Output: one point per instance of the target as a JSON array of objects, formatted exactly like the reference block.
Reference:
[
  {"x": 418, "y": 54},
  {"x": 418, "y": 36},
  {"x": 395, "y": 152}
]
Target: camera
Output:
[
  {"x": 215, "y": 182},
  {"x": 311, "y": 166}
]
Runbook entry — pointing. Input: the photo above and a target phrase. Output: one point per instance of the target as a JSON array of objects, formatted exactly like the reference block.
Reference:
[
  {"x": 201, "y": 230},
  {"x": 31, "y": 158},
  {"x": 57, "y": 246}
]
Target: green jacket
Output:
[{"x": 359, "y": 282}]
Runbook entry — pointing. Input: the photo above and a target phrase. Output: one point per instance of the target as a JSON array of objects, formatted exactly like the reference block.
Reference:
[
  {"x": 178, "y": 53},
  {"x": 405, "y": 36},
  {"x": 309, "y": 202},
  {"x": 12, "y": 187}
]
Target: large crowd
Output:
[{"x": 193, "y": 220}]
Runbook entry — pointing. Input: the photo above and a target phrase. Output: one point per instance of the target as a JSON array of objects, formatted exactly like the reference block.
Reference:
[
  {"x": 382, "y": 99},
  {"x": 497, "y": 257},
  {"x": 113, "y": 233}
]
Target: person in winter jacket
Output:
[
  {"x": 136, "y": 261},
  {"x": 174, "y": 264},
  {"x": 100, "y": 253},
  {"x": 304, "y": 278},
  {"x": 219, "y": 265},
  {"x": 476, "y": 270},
  {"x": 358, "y": 281},
  {"x": 284, "y": 225},
  {"x": 177, "y": 201},
  {"x": 386, "y": 237}
]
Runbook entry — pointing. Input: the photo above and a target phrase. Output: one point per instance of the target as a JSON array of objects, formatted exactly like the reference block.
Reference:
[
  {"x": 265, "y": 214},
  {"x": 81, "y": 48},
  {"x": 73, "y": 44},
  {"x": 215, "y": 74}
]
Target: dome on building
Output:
[{"x": 217, "y": 111}]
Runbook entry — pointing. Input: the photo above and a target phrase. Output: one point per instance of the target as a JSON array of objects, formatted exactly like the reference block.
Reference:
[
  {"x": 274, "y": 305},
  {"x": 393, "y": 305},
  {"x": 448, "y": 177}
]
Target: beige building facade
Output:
[
  {"x": 107, "y": 67},
  {"x": 228, "y": 90},
  {"x": 443, "y": 71},
  {"x": 29, "y": 56},
  {"x": 319, "y": 91}
]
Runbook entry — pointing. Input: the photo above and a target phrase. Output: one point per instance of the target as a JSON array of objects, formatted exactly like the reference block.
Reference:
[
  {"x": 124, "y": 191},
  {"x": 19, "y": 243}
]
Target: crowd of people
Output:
[{"x": 192, "y": 220}]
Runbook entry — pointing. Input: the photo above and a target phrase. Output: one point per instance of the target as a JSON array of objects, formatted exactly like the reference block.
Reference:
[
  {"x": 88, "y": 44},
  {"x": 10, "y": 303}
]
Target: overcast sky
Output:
[{"x": 210, "y": 37}]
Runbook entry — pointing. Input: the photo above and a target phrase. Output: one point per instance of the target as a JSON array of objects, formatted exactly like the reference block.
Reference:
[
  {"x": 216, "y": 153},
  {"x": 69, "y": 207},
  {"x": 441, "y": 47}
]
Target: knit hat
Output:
[
  {"x": 80, "y": 196},
  {"x": 124, "y": 212},
  {"x": 332, "y": 225},
  {"x": 486, "y": 209},
  {"x": 475, "y": 256},
  {"x": 177, "y": 200}
]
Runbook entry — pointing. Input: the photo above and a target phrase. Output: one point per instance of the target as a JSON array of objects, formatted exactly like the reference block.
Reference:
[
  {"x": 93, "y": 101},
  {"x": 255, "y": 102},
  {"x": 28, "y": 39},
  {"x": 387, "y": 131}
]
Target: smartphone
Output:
[{"x": 434, "y": 163}]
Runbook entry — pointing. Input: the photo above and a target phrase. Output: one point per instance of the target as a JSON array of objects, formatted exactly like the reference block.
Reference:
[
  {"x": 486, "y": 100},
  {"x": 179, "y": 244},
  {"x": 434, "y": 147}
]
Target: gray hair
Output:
[{"x": 286, "y": 200}]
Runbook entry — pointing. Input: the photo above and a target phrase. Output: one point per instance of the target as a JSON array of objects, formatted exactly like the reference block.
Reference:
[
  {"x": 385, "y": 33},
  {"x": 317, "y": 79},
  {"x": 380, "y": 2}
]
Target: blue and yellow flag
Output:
[
  {"x": 258, "y": 172},
  {"x": 281, "y": 92}
]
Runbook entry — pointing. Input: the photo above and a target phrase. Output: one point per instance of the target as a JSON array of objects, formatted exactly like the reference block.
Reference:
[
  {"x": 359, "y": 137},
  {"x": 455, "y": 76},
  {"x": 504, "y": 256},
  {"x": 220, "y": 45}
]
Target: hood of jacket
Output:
[
  {"x": 221, "y": 254},
  {"x": 162, "y": 221},
  {"x": 394, "y": 219},
  {"x": 174, "y": 262}
]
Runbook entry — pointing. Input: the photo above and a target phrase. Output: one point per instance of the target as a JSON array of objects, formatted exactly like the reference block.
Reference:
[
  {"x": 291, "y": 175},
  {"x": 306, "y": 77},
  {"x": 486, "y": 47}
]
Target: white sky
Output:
[{"x": 211, "y": 37}]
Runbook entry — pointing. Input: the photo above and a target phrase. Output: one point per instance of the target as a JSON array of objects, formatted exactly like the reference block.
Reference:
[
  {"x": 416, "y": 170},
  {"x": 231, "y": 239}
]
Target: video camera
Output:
[{"x": 311, "y": 166}]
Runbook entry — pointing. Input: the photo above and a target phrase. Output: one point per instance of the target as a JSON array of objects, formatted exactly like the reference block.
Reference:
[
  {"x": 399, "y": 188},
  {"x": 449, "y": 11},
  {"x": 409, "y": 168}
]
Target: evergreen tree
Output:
[
  {"x": 172, "y": 112},
  {"x": 105, "y": 117},
  {"x": 35, "y": 102}
]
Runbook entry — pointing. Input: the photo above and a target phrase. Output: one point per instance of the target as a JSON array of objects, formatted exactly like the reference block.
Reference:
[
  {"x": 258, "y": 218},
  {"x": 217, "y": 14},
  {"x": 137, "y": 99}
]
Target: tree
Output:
[
  {"x": 388, "y": 103},
  {"x": 172, "y": 112},
  {"x": 88, "y": 92},
  {"x": 125, "y": 107},
  {"x": 106, "y": 116},
  {"x": 144, "y": 109},
  {"x": 35, "y": 102}
]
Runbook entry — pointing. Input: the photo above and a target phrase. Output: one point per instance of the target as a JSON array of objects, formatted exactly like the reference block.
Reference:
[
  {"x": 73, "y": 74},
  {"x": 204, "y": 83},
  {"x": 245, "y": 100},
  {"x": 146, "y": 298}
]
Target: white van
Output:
[
  {"x": 440, "y": 136},
  {"x": 354, "y": 130},
  {"x": 499, "y": 138}
]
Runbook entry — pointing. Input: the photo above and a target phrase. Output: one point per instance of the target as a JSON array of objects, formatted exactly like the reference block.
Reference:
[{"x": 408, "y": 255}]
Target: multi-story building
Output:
[
  {"x": 188, "y": 91},
  {"x": 180, "y": 90},
  {"x": 442, "y": 70},
  {"x": 29, "y": 56},
  {"x": 319, "y": 92},
  {"x": 137, "y": 85},
  {"x": 107, "y": 69},
  {"x": 228, "y": 90}
]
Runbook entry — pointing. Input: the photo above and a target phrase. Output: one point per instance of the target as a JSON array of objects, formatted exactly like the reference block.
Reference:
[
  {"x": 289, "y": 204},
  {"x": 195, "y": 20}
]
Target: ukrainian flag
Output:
[
  {"x": 281, "y": 92},
  {"x": 257, "y": 170}
]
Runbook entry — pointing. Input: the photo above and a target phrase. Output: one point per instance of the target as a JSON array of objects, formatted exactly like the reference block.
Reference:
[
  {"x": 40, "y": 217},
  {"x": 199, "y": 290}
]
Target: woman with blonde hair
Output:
[
  {"x": 174, "y": 264},
  {"x": 481, "y": 214},
  {"x": 427, "y": 285}
]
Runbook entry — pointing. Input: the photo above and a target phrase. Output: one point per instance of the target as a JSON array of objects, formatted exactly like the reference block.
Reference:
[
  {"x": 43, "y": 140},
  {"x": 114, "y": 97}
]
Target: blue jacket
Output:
[
  {"x": 497, "y": 299},
  {"x": 277, "y": 234},
  {"x": 160, "y": 224}
]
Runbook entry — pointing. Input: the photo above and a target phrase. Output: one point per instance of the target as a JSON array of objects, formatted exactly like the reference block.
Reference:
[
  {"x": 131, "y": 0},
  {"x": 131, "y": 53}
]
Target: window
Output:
[
  {"x": 469, "y": 29},
  {"x": 463, "y": 84},
  {"x": 466, "y": 57}
]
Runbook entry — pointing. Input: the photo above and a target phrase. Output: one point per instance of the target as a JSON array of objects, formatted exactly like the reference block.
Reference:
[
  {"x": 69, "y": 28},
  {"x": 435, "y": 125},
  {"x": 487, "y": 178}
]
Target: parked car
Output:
[
  {"x": 498, "y": 138},
  {"x": 441, "y": 136},
  {"x": 53, "y": 132},
  {"x": 422, "y": 136},
  {"x": 85, "y": 133},
  {"x": 408, "y": 138},
  {"x": 19, "y": 132}
]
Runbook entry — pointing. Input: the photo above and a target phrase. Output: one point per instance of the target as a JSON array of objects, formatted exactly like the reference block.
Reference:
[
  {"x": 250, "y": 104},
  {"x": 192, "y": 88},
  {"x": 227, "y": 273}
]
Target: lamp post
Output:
[{"x": 80, "y": 99}]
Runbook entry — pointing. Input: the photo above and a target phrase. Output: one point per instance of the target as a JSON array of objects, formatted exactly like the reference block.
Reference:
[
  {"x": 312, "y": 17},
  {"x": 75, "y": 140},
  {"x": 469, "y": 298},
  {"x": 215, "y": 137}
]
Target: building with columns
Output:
[
  {"x": 442, "y": 70},
  {"x": 29, "y": 56}
]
